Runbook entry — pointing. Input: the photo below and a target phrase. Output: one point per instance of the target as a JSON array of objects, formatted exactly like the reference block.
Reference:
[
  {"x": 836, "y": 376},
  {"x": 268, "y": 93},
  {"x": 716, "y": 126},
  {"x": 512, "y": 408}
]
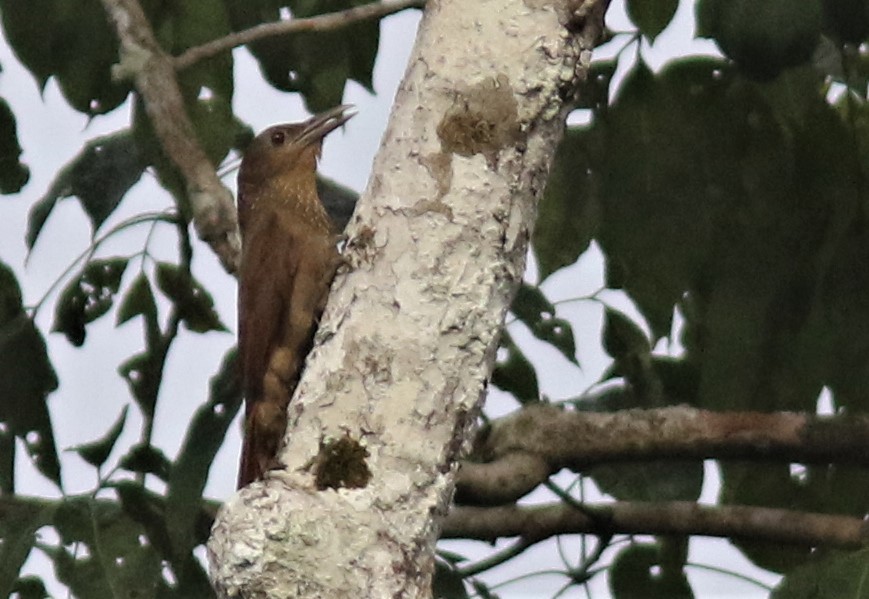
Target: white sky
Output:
[{"x": 92, "y": 394}]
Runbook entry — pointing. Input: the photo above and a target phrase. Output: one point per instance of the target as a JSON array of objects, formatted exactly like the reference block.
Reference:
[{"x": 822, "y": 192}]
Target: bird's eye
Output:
[{"x": 278, "y": 138}]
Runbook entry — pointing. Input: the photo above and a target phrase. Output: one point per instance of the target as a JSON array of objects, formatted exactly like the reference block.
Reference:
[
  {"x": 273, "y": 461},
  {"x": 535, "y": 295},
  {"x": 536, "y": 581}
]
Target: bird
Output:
[{"x": 289, "y": 257}]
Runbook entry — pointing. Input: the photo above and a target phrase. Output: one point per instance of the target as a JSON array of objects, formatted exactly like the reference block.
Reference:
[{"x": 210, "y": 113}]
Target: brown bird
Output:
[{"x": 288, "y": 260}]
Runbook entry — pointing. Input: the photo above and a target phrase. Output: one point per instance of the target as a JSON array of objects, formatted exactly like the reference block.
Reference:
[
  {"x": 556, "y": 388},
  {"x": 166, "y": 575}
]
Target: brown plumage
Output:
[{"x": 288, "y": 260}]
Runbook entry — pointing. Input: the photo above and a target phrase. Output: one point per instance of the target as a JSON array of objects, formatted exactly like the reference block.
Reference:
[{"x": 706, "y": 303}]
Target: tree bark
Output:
[{"x": 435, "y": 252}]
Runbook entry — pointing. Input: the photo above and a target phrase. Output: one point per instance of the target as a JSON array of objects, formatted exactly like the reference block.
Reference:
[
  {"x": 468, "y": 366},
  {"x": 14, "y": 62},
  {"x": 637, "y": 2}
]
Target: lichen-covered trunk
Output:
[{"x": 436, "y": 249}]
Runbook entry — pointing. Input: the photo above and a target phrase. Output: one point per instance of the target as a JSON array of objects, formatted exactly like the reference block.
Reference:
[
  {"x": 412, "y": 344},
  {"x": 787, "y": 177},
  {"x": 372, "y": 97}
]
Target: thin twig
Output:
[
  {"x": 326, "y": 22},
  {"x": 494, "y": 559}
]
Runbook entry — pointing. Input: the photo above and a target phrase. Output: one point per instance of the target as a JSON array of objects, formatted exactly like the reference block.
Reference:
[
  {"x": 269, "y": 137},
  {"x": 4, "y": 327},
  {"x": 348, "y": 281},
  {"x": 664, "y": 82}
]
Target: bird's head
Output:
[{"x": 287, "y": 154}]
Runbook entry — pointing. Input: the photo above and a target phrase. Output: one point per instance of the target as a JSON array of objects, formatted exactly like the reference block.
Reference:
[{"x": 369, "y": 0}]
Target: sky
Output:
[{"x": 92, "y": 394}]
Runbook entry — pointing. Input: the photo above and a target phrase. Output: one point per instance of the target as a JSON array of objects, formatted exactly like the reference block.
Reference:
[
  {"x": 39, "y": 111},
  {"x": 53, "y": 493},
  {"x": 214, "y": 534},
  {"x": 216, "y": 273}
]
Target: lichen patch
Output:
[{"x": 483, "y": 119}]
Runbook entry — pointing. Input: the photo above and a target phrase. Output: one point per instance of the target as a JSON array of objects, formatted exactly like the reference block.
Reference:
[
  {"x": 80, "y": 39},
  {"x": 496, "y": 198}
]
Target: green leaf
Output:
[
  {"x": 195, "y": 305},
  {"x": 115, "y": 560},
  {"x": 13, "y": 174},
  {"x": 143, "y": 373},
  {"x": 26, "y": 379},
  {"x": 532, "y": 308},
  {"x": 847, "y": 20},
  {"x": 18, "y": 526},
  {"x": 515, "y": 374},
  {"x": 138, "y": 301},
  {"x": 149, "y": 509},
  {"x": 447, "y": 582},
  {"x": 651, "y": 481},
  {"x": 652, "y": 16},
  {"x": 30, "y": 587},
  {"x": 147, "y": 459},
  {"x": 87, "y": 297},
  {"x": 71, "y": 40},
  {"x": 204, "y": 438},
  {"x": 569, "y": 213},
  {"x": 29, "y": 28},
  {"x": 768, "y": 485},
  {"x": 634, "y": 574},
  {"x": 482, "y": 590},
  {"x": 622, "y": 338},
  {"x": 338, "y": 200},
  {"x": 317, "y": 65},
  {"x": 97, "y": 452},
  {"x": 207, "y": 88},
  {"x": 829, "y": 575},
  {"x": 658, "y": 218},
  {"x": 763, "y": 37},
  {"x": 99, "y": 176},
  {"x": 84, "y": 49},
  {"x": 594, "y": 93},
  {"x": 7, "y": 462}
]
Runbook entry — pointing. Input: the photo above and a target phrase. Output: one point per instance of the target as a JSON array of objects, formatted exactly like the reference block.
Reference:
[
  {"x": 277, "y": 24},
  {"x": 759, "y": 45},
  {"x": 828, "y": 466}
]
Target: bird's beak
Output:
[{"x": 320, "y": 125}]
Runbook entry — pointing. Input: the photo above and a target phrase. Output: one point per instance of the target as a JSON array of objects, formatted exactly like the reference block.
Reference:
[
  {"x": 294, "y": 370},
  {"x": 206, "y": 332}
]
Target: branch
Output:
[
  {"x": 326, "y": 22},
  {"x": 520, "y": 451},
  {"x": 153, "y": 73},
  {"x": 537, "y": 523}
]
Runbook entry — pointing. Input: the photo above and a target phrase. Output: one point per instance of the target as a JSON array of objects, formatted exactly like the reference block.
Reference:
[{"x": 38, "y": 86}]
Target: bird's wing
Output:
[
  {"x": 269, "y": 263},
  {"x": 284, "y": 282}
]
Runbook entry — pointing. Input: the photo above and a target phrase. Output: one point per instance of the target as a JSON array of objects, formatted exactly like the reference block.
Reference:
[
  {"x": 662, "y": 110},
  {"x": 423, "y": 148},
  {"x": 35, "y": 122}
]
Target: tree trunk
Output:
[{"x": 434, "y": 255}]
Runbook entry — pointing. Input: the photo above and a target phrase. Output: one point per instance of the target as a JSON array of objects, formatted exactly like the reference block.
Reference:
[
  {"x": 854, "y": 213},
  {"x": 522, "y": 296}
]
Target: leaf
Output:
[
  {"x": 338, "y": 200},
  {"x": 622, "y": 337},
  {"x": 147, "y": 459},
  {"x": 143, "y": 373},
  {"x": 30, "y": 587},
  {"x": 18, "y": 526},
  {"x": 768, "y": 485},
  {"x": 87, "y": 297},
  {"x": 7, "y": 461},
  {"x": 482, "y": 590},
  {"x": 668, "y": 480},
  {"x": 139, "y": 301},
  {"x": 532, "y": 308},
  {"x": 594, "y": 93},
  {"x": 99, "y": 176},
  {"x": 148, "y": 509},
  {"x": 633, "y": 575},
  {"x": 652, "y": 16},
  {"x": 207, "y": 88},
  {"x": 317, "y": 65},
  {"x": 84, "y": 49},
  {"x": 829, "y": 575},
  {"x": 114, "y": 559},
  {"x": 71, "y": 40},
  {"x": 26, "y": 379},
  {"x": 657, "y": 218},
  {"x": 194, "y": 304},
  {"x": 447, "y": 582},
  {"x": 208, "y": 85},
  {"x": 13, "y": 174},
  {"x": 515, "y": 374},
  {"x": 762, "y": 37},
  {"x": 29, "y": 28},
  {"x": 848, "y": 20},
  {"x": 569, "y": 212},
  {"x": 97, "y": 452},
  {"x": 203, "y": 439}
]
